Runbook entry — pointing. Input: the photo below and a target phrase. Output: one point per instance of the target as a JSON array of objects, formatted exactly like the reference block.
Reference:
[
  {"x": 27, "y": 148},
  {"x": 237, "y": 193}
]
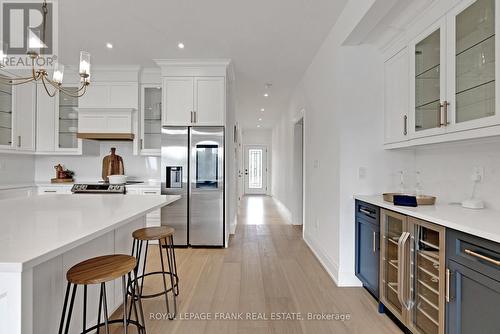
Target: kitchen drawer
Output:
[
  {"x": 54, "y": 190},
  {"x": 367, "y": 212},
  {"x": 474, "y": 252},
  {"x": 152, "y": 191}
]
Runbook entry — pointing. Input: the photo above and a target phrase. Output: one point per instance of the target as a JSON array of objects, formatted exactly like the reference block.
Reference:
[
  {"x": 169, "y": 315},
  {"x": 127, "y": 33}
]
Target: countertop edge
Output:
[
  {"x": 16, "y": 267},
  {"x": 378, "y": 201}
]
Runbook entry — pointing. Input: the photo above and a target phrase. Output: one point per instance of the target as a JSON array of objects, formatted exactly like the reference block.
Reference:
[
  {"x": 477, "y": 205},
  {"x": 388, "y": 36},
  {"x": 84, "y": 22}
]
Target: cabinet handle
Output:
[
  {"x": 447, "y": 293},
  {"x": 443, "y": 113},
  {"x": 196, "y": 117},
  {"x": 150, "y": 192},
  {"x": 18, "y": 141},
  {"x": 482, "y": 257},
  {"x": 401, "y": 268},
  {"x": 439, "y": 114},
  {"x": 192, "y": 116},
  {"x": 365, "y": 211},
  {"x": 374, "y": 242},
  {"x": 405, "y": 125},
  {"x": 50, "y": 191},
  {"x": 142, "y": 144}
]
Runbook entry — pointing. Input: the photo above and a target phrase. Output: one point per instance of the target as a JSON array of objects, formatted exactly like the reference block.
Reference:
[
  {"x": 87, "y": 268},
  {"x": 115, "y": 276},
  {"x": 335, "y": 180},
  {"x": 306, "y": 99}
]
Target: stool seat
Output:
[
  {"x": 101, "y": 269},
  {"x": 153, "y": 233}
]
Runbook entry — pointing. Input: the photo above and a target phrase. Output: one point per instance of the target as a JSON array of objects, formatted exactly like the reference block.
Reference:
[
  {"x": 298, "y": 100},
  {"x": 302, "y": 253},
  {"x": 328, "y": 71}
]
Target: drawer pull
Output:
[
  {"x": 50, "y": 191},
  {"x": 367, "y": 212},
  {"x": 150, "y": 192},
  {"x": 482, "y": 257}
]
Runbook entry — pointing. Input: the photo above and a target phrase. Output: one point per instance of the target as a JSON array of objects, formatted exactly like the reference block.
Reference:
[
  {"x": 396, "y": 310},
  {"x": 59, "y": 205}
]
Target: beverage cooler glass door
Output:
[
  {"x": 174, "y": 180},
  {"x": 206, "y": 224},
  {"x": 427, "y": 312},
  {"x": 394, "y": 242}
]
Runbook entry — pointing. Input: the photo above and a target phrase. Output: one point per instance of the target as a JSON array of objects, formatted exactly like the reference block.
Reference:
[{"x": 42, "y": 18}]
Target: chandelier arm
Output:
[
  {"x": 47, "y": 89},
  {"x": 68, "y": 93}
]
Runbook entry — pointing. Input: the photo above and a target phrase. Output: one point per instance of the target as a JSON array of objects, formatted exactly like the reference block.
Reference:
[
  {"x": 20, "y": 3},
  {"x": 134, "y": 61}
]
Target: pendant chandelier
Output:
[{"x": 54, "y": 84}]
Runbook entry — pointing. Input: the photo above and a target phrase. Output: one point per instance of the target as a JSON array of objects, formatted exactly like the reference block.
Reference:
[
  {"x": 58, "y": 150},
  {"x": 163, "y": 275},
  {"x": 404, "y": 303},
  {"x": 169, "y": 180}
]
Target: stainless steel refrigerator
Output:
[{"x": 192, "y": 166}]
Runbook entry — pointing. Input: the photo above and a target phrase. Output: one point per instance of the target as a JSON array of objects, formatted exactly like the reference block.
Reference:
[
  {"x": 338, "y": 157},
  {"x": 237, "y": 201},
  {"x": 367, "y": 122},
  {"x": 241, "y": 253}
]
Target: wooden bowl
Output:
[{"x": 421, "y": 200}]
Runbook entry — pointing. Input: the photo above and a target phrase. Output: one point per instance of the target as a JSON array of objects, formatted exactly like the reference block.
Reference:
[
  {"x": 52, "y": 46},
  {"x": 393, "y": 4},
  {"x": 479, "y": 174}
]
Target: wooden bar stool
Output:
[
  {"x": 165, "y": 237},
  {"x": 100, "y": 270}
]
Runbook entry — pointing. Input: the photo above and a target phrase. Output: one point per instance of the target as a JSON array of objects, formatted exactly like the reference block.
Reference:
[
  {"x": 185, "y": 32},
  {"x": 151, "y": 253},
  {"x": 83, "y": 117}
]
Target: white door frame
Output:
[{"x": 263, "y": 190}]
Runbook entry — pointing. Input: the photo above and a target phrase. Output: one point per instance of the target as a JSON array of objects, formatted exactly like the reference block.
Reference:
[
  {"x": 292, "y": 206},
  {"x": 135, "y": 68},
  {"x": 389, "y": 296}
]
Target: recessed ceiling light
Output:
[
  {"x": 180, "y": 45},
  {"x": 266, "y": 95},
  {"x": 262, "y": 109},
  {"x": 109, "y": 45},
  {"x": 260, "y": 119},
  {"x": 258, "y": 126}
]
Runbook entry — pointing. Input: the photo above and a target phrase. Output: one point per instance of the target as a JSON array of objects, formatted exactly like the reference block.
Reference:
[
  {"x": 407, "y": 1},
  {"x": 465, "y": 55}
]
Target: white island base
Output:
[{"x": 33, "y": 281}]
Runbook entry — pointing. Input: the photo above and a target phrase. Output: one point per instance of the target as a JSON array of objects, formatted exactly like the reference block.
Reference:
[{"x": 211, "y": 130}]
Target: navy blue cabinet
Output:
[
  {"x": 474, "y": 284},
  {"x": 367, "y": 246}
]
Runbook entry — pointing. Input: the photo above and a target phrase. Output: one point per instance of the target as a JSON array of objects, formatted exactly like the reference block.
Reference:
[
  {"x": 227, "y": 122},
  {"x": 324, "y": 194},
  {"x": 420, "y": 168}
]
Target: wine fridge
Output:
[{"x": 412, "y": 272}]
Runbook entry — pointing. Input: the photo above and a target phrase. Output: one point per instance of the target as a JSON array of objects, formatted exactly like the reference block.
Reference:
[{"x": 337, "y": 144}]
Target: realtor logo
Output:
[
  {"x": 23, "y": 27},
  {"x": 24, "y": 31}
]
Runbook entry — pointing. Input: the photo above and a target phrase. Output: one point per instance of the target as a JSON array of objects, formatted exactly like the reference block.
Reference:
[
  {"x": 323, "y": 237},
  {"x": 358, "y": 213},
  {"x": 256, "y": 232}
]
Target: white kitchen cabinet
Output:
[
  {"x": 17, "y": 117},
  {"x": 47, "y": 190},
  {"x": 151, "y": 112},
  {"x": 153, "y": 218},
  {"x": 396, "y": 86},
  {"x": 57, "y": 123},
  {"x": 111, "y": 95},
  {"x": 178, "y": 101},
  {"x": 453, "y": 77},
  {"x": 210, "y": 100},
  {"x": 428, "y": 81},
  {"x": 194, "y": 101},
  {"x": 472, "y": 72}
]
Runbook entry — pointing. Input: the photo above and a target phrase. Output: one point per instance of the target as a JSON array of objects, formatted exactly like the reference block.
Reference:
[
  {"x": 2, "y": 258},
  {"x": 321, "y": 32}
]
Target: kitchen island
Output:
[{"x": 43, "y": 236}]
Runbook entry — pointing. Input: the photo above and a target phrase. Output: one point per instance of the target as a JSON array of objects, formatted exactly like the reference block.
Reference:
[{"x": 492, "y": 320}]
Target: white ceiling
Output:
[{"x": 268, "y": 40}]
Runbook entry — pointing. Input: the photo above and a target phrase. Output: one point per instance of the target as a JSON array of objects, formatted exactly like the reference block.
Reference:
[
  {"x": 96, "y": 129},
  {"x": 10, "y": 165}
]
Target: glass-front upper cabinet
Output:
[
  {"x": 6, "y": 119},
  {"x": 427, "y": 89},
  {"x": 472, "y": 74},
  {"x": 151, "y": 120},
  {"x": 67, "y": 123}
]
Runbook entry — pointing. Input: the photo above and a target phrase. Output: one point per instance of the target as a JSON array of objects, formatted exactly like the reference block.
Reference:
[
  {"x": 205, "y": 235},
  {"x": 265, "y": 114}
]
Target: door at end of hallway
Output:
[{"x": 255, "y": 169}]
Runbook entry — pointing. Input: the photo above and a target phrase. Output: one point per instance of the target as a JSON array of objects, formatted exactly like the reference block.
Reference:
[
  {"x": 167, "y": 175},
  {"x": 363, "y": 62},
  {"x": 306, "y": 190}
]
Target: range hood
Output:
[{"x": 106, "y": 124}]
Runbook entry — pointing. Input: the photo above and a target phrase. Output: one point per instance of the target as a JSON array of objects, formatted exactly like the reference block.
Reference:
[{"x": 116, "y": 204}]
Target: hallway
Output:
[{"x": 267, "y": 273}]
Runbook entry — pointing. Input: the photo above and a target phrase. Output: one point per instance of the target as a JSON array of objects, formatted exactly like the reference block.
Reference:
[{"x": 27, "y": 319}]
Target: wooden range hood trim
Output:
[{"x": 106, "y": 136}]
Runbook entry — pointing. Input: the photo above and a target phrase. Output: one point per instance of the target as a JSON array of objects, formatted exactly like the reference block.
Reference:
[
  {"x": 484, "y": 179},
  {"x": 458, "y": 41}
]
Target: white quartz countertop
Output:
[
  {"x": 484, "y": 223},
  {"x": 37, "y": 228}
]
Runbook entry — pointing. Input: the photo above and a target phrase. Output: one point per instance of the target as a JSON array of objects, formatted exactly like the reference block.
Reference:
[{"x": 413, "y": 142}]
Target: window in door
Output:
[{"x": 255, "y": 168}]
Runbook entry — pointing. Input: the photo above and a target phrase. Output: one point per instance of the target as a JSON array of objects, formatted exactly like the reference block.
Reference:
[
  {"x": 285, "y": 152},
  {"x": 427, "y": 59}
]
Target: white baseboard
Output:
[
  {"x": 326, "y": 261},
  {"x": 287, "y": 214},
  {"x": 232, "y": 225}
]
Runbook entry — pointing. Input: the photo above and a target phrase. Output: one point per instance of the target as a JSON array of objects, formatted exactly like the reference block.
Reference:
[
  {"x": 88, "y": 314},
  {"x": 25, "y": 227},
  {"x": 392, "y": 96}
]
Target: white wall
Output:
[
  {"x": 259, "y": 137},
  {"x": 88, "y": 168},
  {"x": 16, "y": 168},
  {"x": 341, "y": 93},
  {"x": 446, "y": 170}
]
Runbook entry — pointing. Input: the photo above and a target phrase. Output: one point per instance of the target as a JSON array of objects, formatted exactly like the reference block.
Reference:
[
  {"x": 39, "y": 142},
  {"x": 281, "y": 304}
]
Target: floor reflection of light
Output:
[{"x": 255, "y": 210}]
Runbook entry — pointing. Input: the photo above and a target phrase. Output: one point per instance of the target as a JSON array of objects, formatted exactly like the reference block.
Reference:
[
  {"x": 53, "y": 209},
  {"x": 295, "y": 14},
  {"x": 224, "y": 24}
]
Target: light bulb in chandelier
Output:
[
  {"x": 58, "y": 74},
  {"x": 84, "y": 65}
]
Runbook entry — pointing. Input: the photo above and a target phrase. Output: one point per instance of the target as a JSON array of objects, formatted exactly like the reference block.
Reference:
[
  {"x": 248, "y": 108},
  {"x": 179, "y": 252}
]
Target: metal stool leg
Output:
[
  {"x": 125, "y": 321},
  {"x": 175, "y": 266},
  {"x": 66, "y": 296},
  {"x": 105, "y": 306},
  {"x": 164, "y": 278},
  {"x": 84, "y": 308},
  {"x": 70, "y": 311},
  {"x": 141, "y": 311},
  {"x": 100, "y": 309},
  {"x": 172, "y": 277}
]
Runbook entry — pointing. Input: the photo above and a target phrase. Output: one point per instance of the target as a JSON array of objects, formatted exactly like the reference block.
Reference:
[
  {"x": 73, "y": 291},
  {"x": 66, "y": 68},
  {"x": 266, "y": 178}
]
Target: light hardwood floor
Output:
[{"x": 267, "y": 268}]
